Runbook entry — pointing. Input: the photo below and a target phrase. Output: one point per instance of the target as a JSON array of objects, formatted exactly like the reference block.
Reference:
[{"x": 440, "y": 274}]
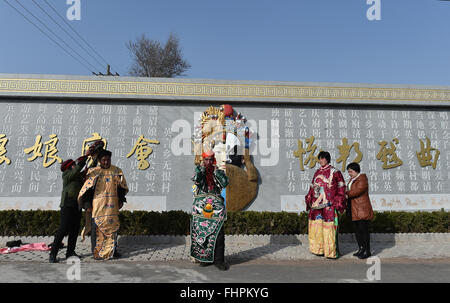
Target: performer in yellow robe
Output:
[{"x": 104, "y": 193}]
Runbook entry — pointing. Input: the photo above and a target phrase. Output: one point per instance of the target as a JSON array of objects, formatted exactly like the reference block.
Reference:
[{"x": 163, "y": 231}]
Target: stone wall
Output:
[{"x": 399, "y": 135}]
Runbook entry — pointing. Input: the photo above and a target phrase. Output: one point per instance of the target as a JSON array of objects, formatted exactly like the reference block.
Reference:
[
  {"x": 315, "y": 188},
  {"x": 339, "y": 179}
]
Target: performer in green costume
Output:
[{"x": 208, "y": 213}]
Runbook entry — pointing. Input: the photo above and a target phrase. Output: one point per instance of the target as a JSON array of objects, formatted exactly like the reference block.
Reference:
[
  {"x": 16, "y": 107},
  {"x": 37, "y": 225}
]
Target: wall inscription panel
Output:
[
  {"x": 405, "y": 153},
  {"x": 400, "y": 135}
]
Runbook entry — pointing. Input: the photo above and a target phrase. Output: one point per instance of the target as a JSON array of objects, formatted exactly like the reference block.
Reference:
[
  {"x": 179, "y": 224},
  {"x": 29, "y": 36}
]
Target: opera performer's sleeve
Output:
[
  {"x": 339, "y": 200},
  {"x": 310, "y": 195},
  {"x": 199, "y": 175},
  {"x": 221, "y": 178}
]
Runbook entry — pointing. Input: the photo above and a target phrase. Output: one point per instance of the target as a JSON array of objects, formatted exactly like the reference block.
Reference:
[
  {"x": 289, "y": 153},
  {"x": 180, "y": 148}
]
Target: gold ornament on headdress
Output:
[{"x": 210, "y": 131}]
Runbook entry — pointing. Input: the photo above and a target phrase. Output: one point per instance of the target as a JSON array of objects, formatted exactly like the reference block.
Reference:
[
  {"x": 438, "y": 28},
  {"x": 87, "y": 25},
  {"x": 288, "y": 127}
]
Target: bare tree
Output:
[{"x": 150, "y": 59}]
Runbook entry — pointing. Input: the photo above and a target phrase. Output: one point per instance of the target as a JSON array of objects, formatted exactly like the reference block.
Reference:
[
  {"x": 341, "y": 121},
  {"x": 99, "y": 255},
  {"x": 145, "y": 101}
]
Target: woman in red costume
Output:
[{"x": 328, "y": 186}]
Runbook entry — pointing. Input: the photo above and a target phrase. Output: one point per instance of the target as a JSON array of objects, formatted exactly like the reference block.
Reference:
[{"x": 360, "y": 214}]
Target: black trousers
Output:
[
  {"x": 69, "y": 225},
  {"x": 361, "y": 228},
  {"x": 93, "y": 235},
  {"x": 219, "y": 250}
]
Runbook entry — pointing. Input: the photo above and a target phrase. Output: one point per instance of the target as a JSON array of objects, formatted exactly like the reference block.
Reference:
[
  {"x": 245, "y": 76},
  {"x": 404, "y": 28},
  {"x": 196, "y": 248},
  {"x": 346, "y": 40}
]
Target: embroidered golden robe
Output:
[{"x": 107, "y": 187}]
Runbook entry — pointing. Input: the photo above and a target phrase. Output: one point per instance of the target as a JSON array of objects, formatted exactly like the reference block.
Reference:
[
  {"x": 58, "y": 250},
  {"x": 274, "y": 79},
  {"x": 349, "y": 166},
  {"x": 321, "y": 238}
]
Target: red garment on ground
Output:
[{"x": 25, "y": 247}]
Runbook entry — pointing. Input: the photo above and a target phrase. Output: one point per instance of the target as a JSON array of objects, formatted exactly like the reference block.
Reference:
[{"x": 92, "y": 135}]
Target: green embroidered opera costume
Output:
[{"x": 208, "y": 211}]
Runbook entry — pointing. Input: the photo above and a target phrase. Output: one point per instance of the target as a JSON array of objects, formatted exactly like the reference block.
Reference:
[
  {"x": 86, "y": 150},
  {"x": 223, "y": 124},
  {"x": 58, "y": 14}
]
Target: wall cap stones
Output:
[{"x": 184, "y": 89}]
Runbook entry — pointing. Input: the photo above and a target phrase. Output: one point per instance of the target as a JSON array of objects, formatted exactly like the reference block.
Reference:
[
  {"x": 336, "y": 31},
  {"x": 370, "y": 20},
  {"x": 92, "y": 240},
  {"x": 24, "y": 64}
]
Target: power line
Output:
[
  {"x": 67, "y": 23},
  {"x": 47, "y": 35},
  {"x": 40, "y": 7},
  {"x": 54, "y": 34}
]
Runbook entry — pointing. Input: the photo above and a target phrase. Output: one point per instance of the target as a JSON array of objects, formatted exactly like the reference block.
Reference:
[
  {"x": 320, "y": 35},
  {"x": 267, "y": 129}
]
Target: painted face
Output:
[
  {"x": 208, "y": 161},
  {"x": 323, "y": 162},
  {"x": 105, "y": 162},
  {"x": 352, "y": 173}
]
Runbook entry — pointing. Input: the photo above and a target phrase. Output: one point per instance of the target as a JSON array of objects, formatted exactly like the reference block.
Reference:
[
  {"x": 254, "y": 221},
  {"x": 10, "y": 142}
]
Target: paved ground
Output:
[
  {"x": 402, "y": 258},
  {"x": 246, "y": 248},
  {"x": 257, "y": 271}
]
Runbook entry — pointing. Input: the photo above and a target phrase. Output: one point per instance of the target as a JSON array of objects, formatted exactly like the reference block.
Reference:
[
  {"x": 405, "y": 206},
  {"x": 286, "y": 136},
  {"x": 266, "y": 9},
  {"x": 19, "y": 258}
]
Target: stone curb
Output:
[{"x": 256, "y": 240}]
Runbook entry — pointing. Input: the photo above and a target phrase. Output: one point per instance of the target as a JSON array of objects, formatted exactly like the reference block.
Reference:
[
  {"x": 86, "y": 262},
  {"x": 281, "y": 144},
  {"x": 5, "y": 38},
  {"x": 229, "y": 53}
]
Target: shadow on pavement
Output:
[
  {"x": 378, "y": 243},
  {"x": 277, "y": 242},
  {"x": 132, "y": 246}
]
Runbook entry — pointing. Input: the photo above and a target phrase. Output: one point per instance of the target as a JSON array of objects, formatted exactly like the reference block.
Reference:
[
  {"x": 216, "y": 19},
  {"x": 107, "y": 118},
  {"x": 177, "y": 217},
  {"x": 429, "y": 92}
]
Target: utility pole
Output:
[{"x": 108, "y": 72}]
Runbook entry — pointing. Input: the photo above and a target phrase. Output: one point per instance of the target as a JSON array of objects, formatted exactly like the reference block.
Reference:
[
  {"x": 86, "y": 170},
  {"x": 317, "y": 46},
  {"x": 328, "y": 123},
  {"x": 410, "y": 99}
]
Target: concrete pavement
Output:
[
  {"x": 264, "y": 258},
  {"x": 243, "y": 248},
  {"x": 255, "y": 271}
]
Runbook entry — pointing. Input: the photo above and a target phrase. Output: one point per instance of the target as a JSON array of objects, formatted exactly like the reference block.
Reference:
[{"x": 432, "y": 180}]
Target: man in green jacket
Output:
[{"x": 70, "y": 212}]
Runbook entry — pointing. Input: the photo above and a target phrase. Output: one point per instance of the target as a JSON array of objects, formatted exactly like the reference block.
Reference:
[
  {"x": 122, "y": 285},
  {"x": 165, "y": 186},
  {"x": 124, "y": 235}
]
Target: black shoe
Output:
[
  {"x": 222, "y": 266},
  {"x": 17, "y": 243},
  {"x": 117, "y": 254},
  {"x": 360, "y": 250},
  {"x": 204, "y": 264},
  {"x": 52, "y": 259},
  {"x": 73, "y": 255},
  {"x": 365, "y": 254}
]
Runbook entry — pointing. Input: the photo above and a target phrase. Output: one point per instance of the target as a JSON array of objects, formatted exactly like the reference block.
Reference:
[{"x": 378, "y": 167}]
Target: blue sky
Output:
[{"x": 298, "y": 40}]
